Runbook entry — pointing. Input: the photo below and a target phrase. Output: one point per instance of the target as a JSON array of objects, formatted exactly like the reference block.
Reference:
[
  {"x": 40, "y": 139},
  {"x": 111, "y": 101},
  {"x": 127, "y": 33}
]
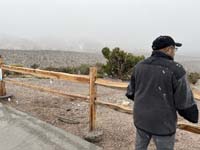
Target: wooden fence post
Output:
[
  {"x": 92, "y": 115},
  {"x": 2, "y": 83}
]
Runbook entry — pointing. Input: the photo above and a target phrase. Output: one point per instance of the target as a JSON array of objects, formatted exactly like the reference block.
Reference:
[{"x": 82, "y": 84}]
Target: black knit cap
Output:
[{"x": 164, "y": 41}]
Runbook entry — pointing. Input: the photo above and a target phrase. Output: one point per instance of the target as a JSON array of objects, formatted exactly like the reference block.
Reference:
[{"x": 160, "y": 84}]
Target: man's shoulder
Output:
[
  {"x": 177, "y": 69},
  {"x": 141, "y": 62},
  {"x": 145, "y": 61}
]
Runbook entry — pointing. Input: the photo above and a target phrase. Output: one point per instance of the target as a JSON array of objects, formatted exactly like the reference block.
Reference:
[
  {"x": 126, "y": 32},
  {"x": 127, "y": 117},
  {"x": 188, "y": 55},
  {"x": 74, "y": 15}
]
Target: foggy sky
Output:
[{"x": 129, "y": 24}]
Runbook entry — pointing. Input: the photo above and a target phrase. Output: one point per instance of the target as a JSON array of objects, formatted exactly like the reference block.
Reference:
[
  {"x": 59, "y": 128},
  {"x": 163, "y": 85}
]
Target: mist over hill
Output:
[
  {"x": 62, "y": 44},
  {"x": 49, "y": 43}
]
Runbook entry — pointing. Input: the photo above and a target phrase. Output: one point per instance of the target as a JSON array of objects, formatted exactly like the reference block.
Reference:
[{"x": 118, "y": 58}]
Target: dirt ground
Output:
[{"x": 118, "y": 130}]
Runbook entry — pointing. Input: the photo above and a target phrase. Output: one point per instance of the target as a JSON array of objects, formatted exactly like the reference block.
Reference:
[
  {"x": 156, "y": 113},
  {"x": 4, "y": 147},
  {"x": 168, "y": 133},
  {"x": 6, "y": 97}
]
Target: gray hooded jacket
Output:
[{"x": 159, "y": 88}]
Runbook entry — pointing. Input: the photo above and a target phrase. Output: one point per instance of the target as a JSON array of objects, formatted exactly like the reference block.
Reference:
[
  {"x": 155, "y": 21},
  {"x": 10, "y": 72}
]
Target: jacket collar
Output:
[{"x": 157, "y": 53}]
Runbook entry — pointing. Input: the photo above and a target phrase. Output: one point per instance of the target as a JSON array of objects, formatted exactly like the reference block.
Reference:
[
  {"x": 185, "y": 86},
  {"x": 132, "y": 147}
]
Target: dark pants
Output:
[{"x": 161, "y": 142}]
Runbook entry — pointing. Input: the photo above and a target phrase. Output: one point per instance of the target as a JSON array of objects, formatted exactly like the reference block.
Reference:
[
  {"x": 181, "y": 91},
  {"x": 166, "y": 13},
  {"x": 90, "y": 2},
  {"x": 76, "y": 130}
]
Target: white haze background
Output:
[{"x": 88, "y": 25}]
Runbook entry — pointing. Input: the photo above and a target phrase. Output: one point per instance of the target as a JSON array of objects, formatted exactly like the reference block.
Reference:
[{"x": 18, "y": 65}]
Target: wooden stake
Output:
[
  {"x": 2, "y": 83},
  {"x": 93, "y": 73}
]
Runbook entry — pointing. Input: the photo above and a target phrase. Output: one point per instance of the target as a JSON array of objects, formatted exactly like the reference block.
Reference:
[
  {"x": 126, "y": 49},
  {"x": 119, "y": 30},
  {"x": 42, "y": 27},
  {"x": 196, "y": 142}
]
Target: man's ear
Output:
[{"x": 168, "y": 50}]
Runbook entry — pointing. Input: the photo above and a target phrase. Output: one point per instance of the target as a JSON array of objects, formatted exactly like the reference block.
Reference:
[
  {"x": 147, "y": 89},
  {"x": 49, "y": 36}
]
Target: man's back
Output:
[
  {"x": 154, "y": 108},
  {"x": 159, "y": 88}
]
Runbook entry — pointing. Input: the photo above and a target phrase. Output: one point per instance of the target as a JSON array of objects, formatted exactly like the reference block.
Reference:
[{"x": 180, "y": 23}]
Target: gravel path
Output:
[{"x": 118, "y": 129}]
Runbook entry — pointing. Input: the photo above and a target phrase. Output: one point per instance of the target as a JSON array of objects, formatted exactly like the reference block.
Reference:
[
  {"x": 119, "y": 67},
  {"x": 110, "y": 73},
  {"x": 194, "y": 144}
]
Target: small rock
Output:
[
  {"x": 62, "y": 113},
  {"x": 51, "y": 81},
  {"x": 72, "y": 99},
  {"x": 125, "y": 103},
  {"x": 68, "y": 120},
  {"x": 94, "y": 136},
  {"x": 9, "y": 99}
]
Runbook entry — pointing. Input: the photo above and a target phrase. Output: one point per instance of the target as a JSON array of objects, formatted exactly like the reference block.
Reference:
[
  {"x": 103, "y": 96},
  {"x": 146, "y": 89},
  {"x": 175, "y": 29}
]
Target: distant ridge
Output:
[{"x": 47, "y": 58}]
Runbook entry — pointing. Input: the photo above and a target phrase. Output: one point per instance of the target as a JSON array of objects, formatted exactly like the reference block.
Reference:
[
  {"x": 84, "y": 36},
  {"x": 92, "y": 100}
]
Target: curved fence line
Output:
[{"x": 91, "y": 99}]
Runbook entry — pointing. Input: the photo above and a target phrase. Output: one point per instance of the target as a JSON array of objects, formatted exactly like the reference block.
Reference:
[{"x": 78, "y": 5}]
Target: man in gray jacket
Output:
[{"x": 160, "y": 89}]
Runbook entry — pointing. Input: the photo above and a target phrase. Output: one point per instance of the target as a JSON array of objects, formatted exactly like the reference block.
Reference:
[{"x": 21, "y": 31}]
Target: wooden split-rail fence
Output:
[{"x": 92, "y": 81}]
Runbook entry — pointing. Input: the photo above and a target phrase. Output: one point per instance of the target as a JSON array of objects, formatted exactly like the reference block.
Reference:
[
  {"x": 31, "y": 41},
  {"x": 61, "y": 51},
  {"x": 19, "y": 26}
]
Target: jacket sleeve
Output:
[
  {"x": 131, "y": 87},
  {"x": 184, "y": 100}
]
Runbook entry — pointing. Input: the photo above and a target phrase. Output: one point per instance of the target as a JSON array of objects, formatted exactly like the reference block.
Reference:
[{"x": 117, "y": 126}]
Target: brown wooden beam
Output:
[
  {"x": 196, "y": 94},
  {"x": 44, "y": 89},
  {"x": 123, "y": 85},
  {"x": 183, "y": 126},
  {"x": 2, "y": 83},
  {"x": 93, "y": 90},
  {"x": 112, "y": 84},
  {"x": 48, "y": 74},
  {"x": 115, "y": 107},
  {"x": 189, "y": 127}
]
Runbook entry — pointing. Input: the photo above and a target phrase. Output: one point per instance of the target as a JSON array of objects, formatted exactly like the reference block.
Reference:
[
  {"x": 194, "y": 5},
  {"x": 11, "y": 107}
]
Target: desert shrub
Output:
[
  {"x": 35, "y": 66},
  {"x": 52, "y": 69},
  {"x": 100, "y": 70},
  {"x": 82, "y": 69},
  {"x": 193, "y": 77},
  {"x": 119, "y": 63},
  {"x": 17, "y": 65},
  {"x": 59, "y": 69}
]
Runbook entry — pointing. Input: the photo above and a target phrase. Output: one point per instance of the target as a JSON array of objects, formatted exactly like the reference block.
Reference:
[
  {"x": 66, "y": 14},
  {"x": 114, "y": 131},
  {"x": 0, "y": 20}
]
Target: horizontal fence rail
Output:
[
  {"x": 111, "y": 84},
  {"x": 44, "y": 89},
  {"x": 196, "y": 93},
  {"x": 117, "y": 107},
  {"x": 48, "y": 74},
  {"x": 123, "y": 85},
  {"x": 189, "y": 127}
]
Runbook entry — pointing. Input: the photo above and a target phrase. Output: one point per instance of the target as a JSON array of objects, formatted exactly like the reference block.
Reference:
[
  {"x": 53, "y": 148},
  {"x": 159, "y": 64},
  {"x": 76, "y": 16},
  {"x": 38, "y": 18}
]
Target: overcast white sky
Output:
[{"x": 129, "y": 24}]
